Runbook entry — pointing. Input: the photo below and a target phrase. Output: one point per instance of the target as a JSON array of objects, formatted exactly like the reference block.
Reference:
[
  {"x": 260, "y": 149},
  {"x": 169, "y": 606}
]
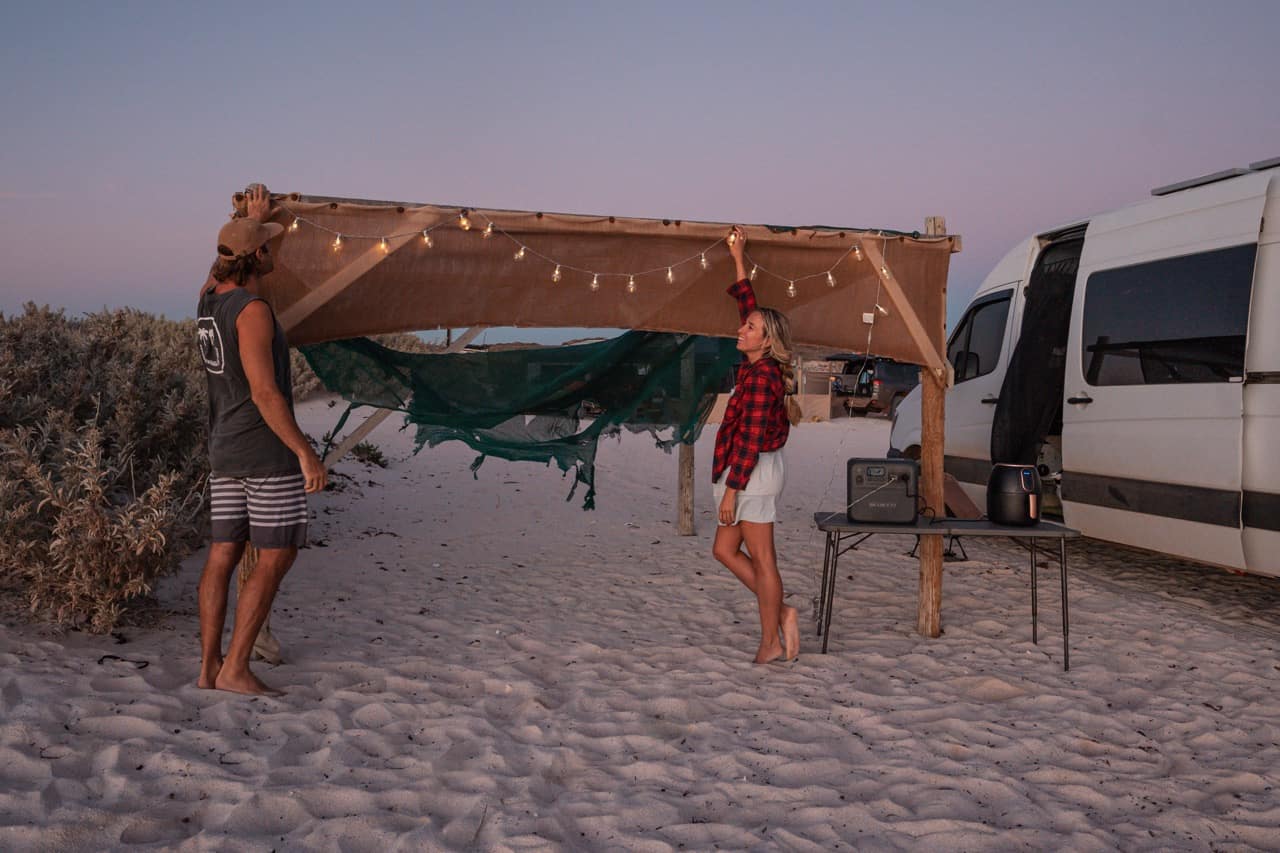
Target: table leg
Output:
[
  {"x": 822, "y": 588},
  {"x": 831, "y": 594},
  {"x": 1066, "y": 625},
  {"x": 1035, "y": 603}
]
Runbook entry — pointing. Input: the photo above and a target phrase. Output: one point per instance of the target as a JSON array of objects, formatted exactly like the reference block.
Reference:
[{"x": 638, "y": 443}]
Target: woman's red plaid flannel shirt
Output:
[{"x": 755, "y": 421}]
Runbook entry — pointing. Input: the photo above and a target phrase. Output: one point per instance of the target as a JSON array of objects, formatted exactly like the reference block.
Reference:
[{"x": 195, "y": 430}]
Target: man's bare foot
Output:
[
  {"x": 790, "y": 633},
  {"x": 209, "y": 673},
  {"x": 769, "y": 652},
  {"x": 244, "y": 682}
]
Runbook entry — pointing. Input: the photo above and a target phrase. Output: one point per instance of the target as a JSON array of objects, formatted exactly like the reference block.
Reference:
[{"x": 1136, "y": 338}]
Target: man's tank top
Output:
[{"x": 240, "y": 442}]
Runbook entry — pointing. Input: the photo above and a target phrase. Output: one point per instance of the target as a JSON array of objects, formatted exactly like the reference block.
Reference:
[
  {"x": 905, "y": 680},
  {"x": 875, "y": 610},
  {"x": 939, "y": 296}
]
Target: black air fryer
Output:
[{"x": 1013, "y": 495}]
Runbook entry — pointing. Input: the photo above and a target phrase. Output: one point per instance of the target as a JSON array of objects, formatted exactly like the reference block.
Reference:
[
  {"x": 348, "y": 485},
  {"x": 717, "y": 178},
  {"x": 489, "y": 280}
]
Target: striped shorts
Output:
[{"x": 269, "y": 512}]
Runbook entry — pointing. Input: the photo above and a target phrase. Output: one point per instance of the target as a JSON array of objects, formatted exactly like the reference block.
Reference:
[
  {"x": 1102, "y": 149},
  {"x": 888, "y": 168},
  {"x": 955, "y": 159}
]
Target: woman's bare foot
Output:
[
  {"x": 790, "y": 633},
  {"x": 244, "y": 682},
  {"x": 769, "y": 652},
  {"x": 209, "y": 673}
]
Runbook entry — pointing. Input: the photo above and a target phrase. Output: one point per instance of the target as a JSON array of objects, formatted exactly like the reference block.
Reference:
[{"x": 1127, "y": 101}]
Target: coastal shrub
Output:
[
  {"x": 103, "y": 435},
  {"x": 369, "y": 453}
]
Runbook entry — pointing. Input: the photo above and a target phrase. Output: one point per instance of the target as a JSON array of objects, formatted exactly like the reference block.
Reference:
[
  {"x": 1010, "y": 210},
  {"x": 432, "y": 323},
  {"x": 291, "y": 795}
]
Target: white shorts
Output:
[{"x": 758, "y": 502}]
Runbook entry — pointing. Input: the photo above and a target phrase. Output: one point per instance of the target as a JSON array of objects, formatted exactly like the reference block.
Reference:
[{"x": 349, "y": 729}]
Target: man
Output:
[{"x": 262, "y": 465}]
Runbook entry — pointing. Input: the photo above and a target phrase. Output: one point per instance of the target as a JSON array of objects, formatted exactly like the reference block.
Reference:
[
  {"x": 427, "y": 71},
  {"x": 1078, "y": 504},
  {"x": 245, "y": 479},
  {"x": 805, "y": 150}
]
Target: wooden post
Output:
[
  {"x": 685, "y": 490},
  {"x": 932, "y": 439},
  {"x": 929, "y": 614}
]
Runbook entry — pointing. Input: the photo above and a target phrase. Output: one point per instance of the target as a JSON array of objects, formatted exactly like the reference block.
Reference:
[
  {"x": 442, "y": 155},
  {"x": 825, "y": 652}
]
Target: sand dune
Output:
[{"x": 478, "y": 664}]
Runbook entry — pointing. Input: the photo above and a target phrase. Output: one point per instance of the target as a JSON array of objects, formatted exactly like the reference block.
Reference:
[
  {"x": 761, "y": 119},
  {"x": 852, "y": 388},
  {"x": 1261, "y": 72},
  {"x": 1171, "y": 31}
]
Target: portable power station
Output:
[{"x": 883, "y": 490}]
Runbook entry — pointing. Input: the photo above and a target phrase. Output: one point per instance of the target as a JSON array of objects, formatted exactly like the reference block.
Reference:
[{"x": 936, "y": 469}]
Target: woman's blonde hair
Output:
[{"x": 777, "y": 329}]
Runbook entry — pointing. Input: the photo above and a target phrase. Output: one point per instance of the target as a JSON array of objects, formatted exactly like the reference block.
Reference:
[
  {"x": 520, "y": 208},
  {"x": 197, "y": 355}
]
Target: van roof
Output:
[{"x": 1013, "y": 267}]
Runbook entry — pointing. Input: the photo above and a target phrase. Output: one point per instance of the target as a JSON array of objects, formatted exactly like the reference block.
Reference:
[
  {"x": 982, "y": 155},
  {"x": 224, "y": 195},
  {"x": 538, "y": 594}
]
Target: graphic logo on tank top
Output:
[{"x": 210, "y": 340}]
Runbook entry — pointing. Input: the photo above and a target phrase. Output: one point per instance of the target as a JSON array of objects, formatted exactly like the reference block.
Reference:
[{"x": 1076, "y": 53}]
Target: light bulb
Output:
[
  {"x": 519, "y": 255},
  {"x": 631, "y": 284},
  {"x": 555, "y": 276},
  {"x": 671, "y": 276},
  {"x": 703, "y": 263},
  {"x": 383, "y": 245},
  {"x": 884, "y": 271},
  {"x": 426, "y": 239},
  {"x": 831, "y": 279},
  {"x": 733, "y": 237},
  {"x": 463, "y": 221},
  {"x": 857, "y": 252},
  {"x": 755, "y": 268},
  {"x": 884, "y": 311},
  {"x": 791, "y": 289},
  {"x": 488, "y": 231},
  {"x": 337, "y": 242},
  {"x": 595, "y": 281},
  {"x": 294, "y": 225}
]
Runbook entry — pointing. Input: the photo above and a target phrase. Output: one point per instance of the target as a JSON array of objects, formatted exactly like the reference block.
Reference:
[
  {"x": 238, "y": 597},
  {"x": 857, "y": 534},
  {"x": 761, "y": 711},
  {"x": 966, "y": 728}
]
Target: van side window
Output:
[
  {"x": 975, "y": 346},
  {"x": 1169, "y": 321}
]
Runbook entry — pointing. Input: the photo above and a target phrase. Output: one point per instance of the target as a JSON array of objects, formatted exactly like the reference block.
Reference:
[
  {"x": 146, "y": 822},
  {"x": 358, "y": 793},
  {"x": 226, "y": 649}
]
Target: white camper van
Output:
[{"x": 1135, "y": 358}]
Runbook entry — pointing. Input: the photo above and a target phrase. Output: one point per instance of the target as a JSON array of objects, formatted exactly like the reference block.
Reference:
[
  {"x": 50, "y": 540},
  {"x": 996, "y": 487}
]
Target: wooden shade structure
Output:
[{"x": 350, "y": 267}]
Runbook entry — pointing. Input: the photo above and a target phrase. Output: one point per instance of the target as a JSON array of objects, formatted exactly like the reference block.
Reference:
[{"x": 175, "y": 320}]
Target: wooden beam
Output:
[
  {"x": 929, "y": 608},
  {"x": 928, "y": 352},
  {"x": 317, "y": 297},
  {"x": 685, "y": 479},
  {"x": 932, "y": 478},
  {"x": 357, "y": 436},
  {"x": 458, "y": 343}
]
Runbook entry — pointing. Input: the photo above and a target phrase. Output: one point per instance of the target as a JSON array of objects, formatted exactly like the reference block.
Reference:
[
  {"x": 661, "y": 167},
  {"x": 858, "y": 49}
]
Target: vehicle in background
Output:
[
  {"x": 1135, "y": 359},
  {"x": 873, "y": 385}
]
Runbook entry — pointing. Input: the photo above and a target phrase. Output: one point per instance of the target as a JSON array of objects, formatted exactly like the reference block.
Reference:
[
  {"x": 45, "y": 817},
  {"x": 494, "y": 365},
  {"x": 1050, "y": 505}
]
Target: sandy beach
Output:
[{"x": 475, "y": 663}]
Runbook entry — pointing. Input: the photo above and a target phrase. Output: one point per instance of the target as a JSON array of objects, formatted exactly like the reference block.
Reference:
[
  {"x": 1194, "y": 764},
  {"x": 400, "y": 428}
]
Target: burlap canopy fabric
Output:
[{"x": 364, "y": 287}]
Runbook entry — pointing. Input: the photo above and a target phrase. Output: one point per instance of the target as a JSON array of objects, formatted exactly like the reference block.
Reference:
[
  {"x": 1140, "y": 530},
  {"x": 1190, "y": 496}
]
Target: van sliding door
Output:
[{"x": 1155, "y": 367}]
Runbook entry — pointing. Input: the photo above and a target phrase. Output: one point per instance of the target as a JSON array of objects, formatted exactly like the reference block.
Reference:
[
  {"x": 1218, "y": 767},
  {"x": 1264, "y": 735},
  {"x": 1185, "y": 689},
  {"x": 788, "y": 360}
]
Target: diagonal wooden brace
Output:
[
  {"x": 933, "y": 359},
  {"x": 352, "y": 272}
]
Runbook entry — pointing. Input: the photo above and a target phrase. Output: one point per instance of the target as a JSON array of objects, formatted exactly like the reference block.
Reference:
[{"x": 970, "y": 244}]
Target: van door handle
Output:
[
  {"x": 991, "y": 401},
  {"x": 1080, "y": 400}
]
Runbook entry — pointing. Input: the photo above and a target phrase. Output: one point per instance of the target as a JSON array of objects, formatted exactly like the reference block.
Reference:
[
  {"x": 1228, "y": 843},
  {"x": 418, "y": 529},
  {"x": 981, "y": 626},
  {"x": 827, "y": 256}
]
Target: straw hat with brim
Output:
[{"x": 244, "y": 236}]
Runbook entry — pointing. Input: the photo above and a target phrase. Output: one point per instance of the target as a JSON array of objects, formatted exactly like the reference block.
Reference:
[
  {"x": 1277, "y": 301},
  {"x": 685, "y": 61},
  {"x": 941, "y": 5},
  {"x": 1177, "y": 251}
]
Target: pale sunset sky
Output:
[{"x": 128, "y": 125}]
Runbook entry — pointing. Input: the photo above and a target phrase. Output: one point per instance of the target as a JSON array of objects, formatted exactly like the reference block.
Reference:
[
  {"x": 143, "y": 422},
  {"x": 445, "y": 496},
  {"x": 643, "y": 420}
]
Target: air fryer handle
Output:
[
  {"x": 1080, "y": 400},
  {"x": 991, "y": 401}
]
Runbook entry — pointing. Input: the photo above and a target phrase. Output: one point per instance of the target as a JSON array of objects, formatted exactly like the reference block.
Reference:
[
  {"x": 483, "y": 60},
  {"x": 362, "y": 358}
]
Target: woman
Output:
[{"x": 748, "y": 474}]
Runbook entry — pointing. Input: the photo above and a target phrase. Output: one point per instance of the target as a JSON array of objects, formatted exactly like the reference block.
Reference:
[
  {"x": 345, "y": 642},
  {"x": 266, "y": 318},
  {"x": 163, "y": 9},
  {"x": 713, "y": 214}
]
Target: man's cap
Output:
[{"x": 244, "y": 236}]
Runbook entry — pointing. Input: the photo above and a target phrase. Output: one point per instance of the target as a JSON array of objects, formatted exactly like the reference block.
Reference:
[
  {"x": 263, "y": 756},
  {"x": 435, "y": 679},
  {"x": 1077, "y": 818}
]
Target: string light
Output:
[
  {"x": 884, "y": 312},
  {"x": 522, "y": 251}
]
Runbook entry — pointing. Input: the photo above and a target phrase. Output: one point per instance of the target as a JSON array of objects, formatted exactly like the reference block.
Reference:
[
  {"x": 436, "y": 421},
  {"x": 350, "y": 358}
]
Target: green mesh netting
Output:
[{"x": 547, "y": 404}]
